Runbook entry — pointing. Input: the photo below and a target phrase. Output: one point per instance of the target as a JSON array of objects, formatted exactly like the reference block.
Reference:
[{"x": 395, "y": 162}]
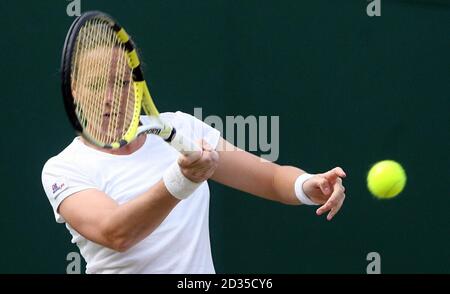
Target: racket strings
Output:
[
  {"x": 103, "y": 89},
  {"x": 93, "y": 101},
  {"x": 117, "y": 92},
  {"x": 87, "y": 87}
]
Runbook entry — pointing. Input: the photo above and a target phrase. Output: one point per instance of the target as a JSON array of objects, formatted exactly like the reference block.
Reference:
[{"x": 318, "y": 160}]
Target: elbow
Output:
[
  {"x": 114, "y": 238},
  {"x": 120, "y": 245}
]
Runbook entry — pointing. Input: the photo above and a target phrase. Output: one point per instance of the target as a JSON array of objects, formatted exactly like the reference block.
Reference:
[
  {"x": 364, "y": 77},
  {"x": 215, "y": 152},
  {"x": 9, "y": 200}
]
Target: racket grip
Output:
[{"x": 182, "y": 144}]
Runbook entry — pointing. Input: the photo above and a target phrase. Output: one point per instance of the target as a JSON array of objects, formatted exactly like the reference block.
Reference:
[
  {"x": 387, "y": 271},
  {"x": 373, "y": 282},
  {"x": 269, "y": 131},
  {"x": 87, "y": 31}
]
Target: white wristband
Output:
[
  {"x": 299, "y": 189},
  {"x": 177, "y": 184}
]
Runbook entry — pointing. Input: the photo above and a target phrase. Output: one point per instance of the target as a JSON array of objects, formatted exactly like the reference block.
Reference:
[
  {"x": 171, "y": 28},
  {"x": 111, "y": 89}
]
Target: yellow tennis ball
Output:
[{"x": 386, "y": 179}]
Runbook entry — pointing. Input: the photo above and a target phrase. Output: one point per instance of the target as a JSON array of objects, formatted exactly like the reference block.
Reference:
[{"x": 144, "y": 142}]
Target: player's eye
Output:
[{"x": 124, "y": 84}]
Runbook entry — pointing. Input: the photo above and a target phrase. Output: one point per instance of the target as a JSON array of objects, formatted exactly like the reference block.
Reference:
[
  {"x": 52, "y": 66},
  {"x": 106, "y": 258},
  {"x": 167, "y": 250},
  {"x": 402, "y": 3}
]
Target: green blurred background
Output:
[{"x": 349, "y": 90}]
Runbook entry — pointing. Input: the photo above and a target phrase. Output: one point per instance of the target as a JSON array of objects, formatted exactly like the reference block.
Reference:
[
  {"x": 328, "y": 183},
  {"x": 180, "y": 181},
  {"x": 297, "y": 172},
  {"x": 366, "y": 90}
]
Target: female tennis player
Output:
[{"x": 143, "y": 207}]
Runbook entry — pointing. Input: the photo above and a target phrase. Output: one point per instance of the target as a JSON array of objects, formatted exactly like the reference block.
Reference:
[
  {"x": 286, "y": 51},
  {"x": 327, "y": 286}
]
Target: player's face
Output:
[{"x": 105, "y": 92}]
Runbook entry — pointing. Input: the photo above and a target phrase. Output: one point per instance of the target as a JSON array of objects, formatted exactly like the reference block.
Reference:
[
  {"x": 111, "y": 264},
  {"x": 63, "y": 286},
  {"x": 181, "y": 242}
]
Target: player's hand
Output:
[
  {"x": 201, "y": 165},
  {"x": 327, "y": 189}
]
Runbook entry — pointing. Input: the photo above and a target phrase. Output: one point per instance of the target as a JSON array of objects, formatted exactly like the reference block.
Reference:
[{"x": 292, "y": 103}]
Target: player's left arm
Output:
[{"x": 246, "y": 172}]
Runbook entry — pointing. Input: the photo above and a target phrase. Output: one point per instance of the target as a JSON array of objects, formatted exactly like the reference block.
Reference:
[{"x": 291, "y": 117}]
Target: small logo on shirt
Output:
[{"x": 56, "y": 187}]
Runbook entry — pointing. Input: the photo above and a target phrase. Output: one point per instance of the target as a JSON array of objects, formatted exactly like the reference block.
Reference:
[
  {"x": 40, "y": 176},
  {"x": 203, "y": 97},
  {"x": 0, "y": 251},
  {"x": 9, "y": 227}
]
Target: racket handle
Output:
[
  {"x": 154, "y": 125},
  {"x": 182, "y": 144}
]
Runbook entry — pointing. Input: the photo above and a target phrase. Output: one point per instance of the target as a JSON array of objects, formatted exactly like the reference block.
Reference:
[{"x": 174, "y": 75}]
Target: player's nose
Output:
[{"x": 109, "y": 96}]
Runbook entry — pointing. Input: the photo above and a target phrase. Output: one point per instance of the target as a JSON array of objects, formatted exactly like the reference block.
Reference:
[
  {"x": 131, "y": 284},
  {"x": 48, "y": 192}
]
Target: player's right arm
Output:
[{"x": 98, "y": 218}]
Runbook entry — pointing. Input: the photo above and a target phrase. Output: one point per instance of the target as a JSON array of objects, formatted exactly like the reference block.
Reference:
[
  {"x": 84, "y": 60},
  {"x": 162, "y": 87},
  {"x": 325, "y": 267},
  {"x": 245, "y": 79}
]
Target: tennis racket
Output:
[{"x": 104, "y": 89}]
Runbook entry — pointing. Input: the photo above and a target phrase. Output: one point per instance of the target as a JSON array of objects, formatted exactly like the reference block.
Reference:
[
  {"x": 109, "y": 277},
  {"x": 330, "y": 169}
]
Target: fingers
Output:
[
  {"x": 185, "y": 160},
  {"x": 334, "y": 203},
  {"x": 324, "y": 186},
  {"x": 206, "y": 146},
  {"x": 192, "y": 157},
  {"x": 199, "y": 166},
  {"x": 327, "y": 206},
  {"x": 335, "y": 210},
  {"x": 335, "y": 173}
]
